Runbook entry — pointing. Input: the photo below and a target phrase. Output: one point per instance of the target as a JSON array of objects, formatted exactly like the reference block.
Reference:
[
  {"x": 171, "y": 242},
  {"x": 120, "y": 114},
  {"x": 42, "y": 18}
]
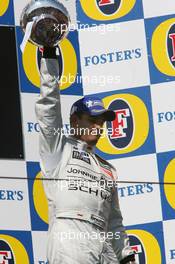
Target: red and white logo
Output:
[
  {"x": 138, "y": 250},
  {"x": 106, "y": 2},
  {"x": 120, "y": 123},
  {"x": 172, "y": 37},
  {"x": 4, "y": 256}
]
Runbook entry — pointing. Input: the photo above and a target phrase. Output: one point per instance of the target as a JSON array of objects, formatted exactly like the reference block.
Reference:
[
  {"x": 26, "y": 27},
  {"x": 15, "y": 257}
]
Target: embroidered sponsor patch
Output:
[{"x": 81, "y": 156}]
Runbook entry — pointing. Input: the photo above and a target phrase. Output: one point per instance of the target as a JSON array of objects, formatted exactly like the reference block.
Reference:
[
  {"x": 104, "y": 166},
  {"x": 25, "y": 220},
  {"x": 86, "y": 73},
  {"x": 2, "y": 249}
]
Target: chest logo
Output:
[{"x": 81, "y": 156}]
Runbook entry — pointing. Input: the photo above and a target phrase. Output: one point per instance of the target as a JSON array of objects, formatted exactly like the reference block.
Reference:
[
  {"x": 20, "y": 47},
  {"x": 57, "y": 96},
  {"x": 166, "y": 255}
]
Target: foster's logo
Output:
[
  {"x": 108, "y": 7},
  {"x": 171, "y": 44},
  {"x": 139, "y": 250},
  {"x": 130, "y": 129},
  {"x": 143, "y": 242},
  {"x": 6, "y": 253},
  {"x": 104, "y": 10},
  {"x": 12, "y": 251},
  {"x": 163, "y": 47},
  {"x": 122, "y": 126}
]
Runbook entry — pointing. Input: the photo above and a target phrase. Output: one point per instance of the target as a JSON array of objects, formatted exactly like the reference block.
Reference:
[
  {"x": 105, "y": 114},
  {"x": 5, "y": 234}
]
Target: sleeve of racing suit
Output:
[
  {"x": 120, "y": 241},
  {"x": 48, "y": 112}
]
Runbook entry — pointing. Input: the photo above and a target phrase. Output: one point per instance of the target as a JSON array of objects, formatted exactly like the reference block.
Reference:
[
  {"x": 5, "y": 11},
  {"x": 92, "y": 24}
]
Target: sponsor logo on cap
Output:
[
  {"x": 91, "y": 103},
  {"x": 97, "y": 111}
]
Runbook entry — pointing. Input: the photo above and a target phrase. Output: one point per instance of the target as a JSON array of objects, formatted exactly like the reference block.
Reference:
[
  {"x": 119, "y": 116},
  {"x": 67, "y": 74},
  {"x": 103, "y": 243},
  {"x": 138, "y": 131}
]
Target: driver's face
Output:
[{"x": 90, "y": 128}]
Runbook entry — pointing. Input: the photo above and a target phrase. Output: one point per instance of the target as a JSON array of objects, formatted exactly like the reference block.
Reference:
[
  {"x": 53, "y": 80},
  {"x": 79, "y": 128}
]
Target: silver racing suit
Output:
[{"x": 81, "y": 196}]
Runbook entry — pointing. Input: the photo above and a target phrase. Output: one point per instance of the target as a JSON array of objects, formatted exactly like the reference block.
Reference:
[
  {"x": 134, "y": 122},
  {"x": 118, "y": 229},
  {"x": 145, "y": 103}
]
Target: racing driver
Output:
[{"x": 85, "y": 221}]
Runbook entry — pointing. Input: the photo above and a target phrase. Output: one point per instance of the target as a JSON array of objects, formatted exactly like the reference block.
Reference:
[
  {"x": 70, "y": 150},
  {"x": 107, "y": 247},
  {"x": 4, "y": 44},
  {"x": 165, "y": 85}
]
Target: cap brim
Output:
[{"x": 109, "y": 115}]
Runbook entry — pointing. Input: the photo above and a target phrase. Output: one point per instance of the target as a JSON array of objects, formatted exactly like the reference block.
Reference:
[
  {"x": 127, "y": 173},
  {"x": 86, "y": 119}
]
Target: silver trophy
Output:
[{"x": 49, "y": 21}]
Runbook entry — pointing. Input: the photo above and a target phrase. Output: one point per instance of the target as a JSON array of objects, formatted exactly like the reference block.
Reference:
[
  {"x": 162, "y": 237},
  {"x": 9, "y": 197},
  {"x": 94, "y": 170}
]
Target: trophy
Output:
[{"x": 45, "y": 22}]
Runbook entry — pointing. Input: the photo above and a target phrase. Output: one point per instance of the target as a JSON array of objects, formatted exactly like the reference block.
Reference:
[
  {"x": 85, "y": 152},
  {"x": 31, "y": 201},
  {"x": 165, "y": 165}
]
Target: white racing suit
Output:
[{"x": 85, "y": 222}]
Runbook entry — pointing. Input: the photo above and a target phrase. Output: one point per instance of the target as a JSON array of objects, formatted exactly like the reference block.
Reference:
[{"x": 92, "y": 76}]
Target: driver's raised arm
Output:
[{"x": 48, "y": 111}]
